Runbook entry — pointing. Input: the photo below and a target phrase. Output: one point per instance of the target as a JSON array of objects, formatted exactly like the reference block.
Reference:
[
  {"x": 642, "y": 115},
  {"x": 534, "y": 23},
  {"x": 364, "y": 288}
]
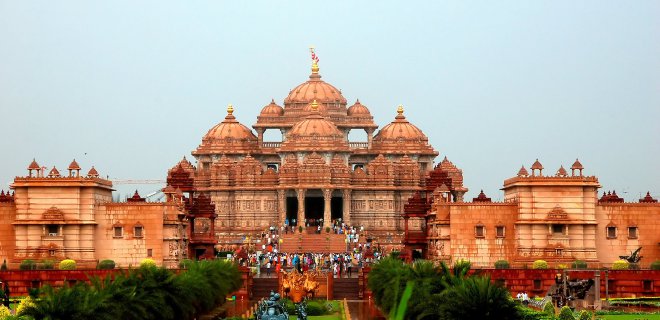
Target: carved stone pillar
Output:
[
  {"x": 260, "y": 133},
  {"x": 300, "y": 220},
  {"x": 327, "y": 210},
  {"x": 370, "y": 136},
  {"x": 346, "y": 212},
  {"x": 281, "y": 205}
]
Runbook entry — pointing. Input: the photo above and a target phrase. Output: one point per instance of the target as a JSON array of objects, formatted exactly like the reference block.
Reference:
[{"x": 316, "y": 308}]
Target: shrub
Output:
[
  {"x": 565, "y": 313},
  {"x": 300, "y": 228},
  {"x": 579, "y": 264},
  {"x": 106, "y": 264},
  {"x": 562, "y": 266},
  {"x": 585, "y": 315},
  {"x": 4, "y": 265},
  {"x": 620, "y": 265},
  {"x": 501, "y": 264},
  {"x": 327, "y": 229},
  {"x": 28, "y": 265},
  {"x": 314, "y": 308},
  {"x": 540, "y": 264},
  {"x": 68, "y": 264},
  {"x": 549, "y": 308},
  {"x": 655, "y": 265},
  {"x": 148, "y": 263},
  {"x": 26, "y": 303},
  {"x": 48, "y": 264},
  {"x": 4, "y": 312},
  {"x": 183, "y": 264}
]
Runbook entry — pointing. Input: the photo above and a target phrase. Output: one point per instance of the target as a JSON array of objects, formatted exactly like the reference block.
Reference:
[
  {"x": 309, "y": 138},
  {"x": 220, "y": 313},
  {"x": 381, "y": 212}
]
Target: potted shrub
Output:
[
  {"x": 501, "y": 264},
  {"x": 106, "y": 264},
  {"x": 540, "y": 264},
  {"x": 148, "y": 263},
  {"x": 620, "y": 265},
  {"x": 655, "y": 265},
  {"x": 28, "y": 264},
  {"x": 579, "y": 264},
  {"x": 48, "y": 264},
  {"x": 68, "y": 264},
  {"x": 300, "y": 229}
]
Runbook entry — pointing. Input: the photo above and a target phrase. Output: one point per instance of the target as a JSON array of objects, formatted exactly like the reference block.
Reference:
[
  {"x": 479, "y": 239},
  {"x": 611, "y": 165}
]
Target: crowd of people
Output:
[{"x": 267, "y": 258}]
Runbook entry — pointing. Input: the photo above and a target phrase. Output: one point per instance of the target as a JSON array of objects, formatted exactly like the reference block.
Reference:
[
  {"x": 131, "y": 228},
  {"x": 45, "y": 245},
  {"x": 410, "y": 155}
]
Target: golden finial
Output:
[
  {"x": 315, "y": 60},
  {"x": 399, "y": 110},
  {"x": 230, "y": 109},
  {"x": 315, "y": 106}
]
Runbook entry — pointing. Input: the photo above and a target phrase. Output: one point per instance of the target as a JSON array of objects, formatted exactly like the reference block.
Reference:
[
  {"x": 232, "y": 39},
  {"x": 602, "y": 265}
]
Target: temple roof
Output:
[
  {"x": 34, "y": 165},
  {"x": 74, "y": 165},
  {"x": 230, "y": 129},
  {"x": 54, "y": 173},
  {"x": 92, "y": 172},
  {"x": 358, "y": 109},
  {"x": 577, "y": 165},
  {"x": 315, "y": 124},
  {"x": 537, "y": 165},
  {"x": 523, "y": 172},
  {"x": 400, "y": 128},
  {"x": 561, "y": 172},
  {"x": 272, "y": 110},
  {"x": 315, "y": 89},
  {"x": 648, "y": 198}
]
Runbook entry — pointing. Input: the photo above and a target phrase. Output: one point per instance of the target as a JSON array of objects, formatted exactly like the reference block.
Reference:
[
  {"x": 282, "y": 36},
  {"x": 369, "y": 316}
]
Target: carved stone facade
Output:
[
  {"x": 313, "y": 175},
  {"x": 556, "y": 218},
  {"x": 55, "y": 217}
]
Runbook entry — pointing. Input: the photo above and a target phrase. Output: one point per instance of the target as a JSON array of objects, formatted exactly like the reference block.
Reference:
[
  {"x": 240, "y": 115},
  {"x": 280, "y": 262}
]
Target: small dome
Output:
[
  {"x": 74, "y": 165},
  {"x": 272, "y": 110},
  {"x": 230, "y": 129},
  {"x": 537, "y": 165},
  {"x": 577, "y": 165},
  {"x": 561, "y": 172},
  {"x": 315, "y": 125},
  {"x": 358, "y": 109},
  {"x": 54, "y": 173},
  {"x": 523, "y": 172},
  {"x": 93, "y": 173},
  {"x": 34, "y": 165},
  {"x": 400, "y": 128}
]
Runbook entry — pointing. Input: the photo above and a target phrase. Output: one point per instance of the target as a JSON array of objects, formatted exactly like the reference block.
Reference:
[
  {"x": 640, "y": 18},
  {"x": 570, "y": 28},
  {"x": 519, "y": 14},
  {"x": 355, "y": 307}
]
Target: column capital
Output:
[{"x": 327, "y": 193}]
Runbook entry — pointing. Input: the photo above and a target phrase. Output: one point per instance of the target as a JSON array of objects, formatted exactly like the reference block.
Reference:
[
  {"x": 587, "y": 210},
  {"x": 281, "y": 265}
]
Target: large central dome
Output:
[{"x": 315, "y": 89}]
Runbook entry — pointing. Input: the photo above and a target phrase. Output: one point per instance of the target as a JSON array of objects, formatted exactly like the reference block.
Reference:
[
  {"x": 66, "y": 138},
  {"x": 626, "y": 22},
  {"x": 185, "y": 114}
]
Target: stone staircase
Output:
[
  {"x": 314, "y": 243},
  {"x": 345, "y": 288},
  {"x": 261, "y": 287}
]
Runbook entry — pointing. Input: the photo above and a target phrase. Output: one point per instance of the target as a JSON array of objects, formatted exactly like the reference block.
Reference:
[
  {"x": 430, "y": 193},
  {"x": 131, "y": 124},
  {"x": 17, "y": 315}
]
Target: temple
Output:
[{"x": 313, "y": 176}]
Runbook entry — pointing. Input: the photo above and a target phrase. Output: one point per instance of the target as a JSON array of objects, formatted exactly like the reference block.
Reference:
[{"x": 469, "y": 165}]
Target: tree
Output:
[{"x": 476, "y": 297}]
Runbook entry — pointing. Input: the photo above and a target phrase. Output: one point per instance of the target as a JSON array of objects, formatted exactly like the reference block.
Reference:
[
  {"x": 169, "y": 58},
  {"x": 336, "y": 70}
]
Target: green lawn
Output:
[{"x": 630, "y": 317}]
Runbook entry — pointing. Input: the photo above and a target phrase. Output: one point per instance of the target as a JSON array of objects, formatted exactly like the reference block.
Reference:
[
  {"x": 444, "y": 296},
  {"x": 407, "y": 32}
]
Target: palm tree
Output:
[
  {"x": 476, "y": 297},
  {"x": 387, "y": 281}
]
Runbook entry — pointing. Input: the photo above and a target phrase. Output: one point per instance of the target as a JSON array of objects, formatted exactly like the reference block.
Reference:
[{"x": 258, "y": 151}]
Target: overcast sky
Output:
[{"x": 132, "y": 86}]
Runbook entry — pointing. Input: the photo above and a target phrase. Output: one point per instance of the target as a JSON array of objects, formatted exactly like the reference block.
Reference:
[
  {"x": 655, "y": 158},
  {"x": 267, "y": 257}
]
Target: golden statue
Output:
[{"x": 297, "y": 286}]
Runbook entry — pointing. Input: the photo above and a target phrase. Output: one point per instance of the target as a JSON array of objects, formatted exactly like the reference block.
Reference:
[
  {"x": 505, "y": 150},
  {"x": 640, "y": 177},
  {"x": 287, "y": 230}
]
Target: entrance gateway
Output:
[{"x": 314, "y": 207}]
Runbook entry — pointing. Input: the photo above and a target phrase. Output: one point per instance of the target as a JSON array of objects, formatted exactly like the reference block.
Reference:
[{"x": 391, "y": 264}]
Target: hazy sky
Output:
[{"x": 132, "y": 86}]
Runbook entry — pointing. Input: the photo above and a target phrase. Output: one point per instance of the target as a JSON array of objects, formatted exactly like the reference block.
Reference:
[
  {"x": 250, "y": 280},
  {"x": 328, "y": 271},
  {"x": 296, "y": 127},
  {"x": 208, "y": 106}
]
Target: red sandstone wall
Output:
[
  {"x": 483, "y": 252},
  {"x": 130, "y": 250},
  {"x": 7, "y": 242},
  {"x": 645, "y": 216}
]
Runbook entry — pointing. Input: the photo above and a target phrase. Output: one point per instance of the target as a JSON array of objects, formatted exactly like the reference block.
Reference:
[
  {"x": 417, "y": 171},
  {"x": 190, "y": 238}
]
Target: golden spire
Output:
[
  {"x": 315, "y": 106},
  {"x": 315, "y": 61},
  {"x": 399, "y": 110},
  {"x": 230, "y": 109}
]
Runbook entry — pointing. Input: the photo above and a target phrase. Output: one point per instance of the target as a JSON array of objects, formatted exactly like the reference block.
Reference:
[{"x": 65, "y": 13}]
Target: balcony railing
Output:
[
  {"x": 271, "y": 144},
  {"x": 358, "y": 145}
]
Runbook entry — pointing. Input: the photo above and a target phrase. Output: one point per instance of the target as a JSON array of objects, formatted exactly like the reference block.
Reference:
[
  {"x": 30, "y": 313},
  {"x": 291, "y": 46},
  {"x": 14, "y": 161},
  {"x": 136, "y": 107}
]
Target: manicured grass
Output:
[
  {"x": 630, "y": 317},
  {"x": 326, "y": 317}
]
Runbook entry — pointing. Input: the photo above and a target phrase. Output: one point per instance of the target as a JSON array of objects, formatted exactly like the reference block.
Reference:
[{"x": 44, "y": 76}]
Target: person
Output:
[
  {"x": 268, "y": 268},
  {"x": 278, "y": 268}
]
